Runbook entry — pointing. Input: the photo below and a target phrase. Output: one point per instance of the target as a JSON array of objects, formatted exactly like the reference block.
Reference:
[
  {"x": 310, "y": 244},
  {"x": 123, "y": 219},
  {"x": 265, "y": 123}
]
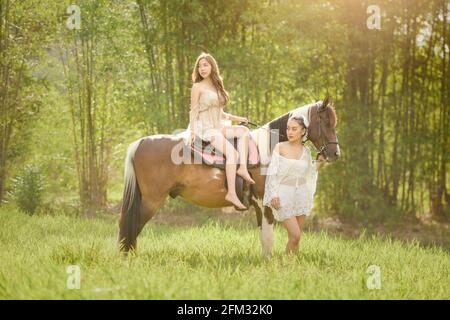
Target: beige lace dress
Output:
[{"x": 207, "y": 116}]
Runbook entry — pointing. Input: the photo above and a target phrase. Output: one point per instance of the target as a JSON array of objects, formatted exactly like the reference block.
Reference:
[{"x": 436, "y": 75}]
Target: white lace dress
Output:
[{"x": 293, "y": 181}]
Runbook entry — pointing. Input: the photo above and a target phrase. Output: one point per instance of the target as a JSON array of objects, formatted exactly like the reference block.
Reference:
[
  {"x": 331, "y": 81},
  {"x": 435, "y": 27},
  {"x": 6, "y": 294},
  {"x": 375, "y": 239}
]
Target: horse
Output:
[{"x": 151, "y": 174}]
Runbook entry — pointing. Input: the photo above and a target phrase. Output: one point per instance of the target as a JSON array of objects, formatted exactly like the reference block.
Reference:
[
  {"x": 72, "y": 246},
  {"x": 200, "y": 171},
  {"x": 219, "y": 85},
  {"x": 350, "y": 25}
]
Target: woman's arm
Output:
[
  {"x": 312, "y": 173},
  {"x": 229, "y": 116},
  {"x": 272, "y": 184},
  {"x": 320, "y": 161},
  {"x": 193, "y": 113}
]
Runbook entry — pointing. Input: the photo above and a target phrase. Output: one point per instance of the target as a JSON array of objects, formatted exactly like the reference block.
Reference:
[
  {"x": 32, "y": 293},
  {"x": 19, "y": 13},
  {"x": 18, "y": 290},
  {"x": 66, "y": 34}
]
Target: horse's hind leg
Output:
[
  {"x": 132, "y": 223},
  {"x": 149, "y": 208}
]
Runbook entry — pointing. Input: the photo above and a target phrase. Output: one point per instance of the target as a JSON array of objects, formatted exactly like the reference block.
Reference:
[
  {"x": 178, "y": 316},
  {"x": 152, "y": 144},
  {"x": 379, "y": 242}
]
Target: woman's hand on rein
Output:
[
  {"x": 243, "y": 119},
  {"x": 320, "y": 161}
]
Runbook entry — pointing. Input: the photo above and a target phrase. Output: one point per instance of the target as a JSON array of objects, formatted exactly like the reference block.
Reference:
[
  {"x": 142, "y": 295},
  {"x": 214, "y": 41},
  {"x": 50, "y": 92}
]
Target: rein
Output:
[
  {"x": 260, "y": 126},
  {"x": 323, "y": 146}
]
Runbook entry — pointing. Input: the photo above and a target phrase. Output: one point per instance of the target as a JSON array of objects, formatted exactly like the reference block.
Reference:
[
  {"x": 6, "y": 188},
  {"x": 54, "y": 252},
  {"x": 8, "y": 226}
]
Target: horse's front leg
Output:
[
  {"x": 266, "y": 233},
  {"x": 265, "y": 223}
]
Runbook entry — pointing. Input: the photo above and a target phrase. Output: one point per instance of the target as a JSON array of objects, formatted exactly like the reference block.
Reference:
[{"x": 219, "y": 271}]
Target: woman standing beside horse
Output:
[
  {"x": 291, "y": 180},
  {"x": 206, "y": 120}
]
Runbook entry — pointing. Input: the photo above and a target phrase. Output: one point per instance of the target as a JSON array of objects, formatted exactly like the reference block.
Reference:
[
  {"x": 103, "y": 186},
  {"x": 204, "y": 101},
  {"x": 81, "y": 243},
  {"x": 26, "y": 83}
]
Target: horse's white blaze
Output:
[{"x": 265, "y": 234}]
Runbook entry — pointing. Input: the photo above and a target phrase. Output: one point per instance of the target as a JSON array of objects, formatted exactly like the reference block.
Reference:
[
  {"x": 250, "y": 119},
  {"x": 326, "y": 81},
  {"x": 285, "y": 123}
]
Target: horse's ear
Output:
[{"x": 326, "y": 101}]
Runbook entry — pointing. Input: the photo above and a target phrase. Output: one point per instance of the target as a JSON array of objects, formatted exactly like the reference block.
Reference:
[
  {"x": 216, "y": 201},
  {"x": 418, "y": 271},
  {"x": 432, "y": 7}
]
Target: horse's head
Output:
[{"x": 321, "y": 130}]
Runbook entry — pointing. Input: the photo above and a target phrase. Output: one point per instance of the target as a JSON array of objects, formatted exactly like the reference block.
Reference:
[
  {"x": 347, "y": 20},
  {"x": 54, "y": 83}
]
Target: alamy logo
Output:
[
  {"x": 73, "y": 280},
  {"x": 374, "y": 280},
  {"x": 74, "y": 19},
  {"x": 374, "y": 20}
]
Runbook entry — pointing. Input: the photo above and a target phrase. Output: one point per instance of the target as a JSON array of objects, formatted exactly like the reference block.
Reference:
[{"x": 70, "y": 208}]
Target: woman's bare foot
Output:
[
  {"x": 244, "y": 174},
  {"x": 235, "y": 200}
]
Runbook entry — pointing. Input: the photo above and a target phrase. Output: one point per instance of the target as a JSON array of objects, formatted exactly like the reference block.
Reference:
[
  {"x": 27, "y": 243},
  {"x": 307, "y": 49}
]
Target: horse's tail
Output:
[{"x": 131, "y": 202}]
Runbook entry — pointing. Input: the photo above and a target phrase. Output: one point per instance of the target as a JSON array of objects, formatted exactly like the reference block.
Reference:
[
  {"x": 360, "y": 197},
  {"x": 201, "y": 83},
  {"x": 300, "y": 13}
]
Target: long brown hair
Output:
[{"x": 215, "y": 75}]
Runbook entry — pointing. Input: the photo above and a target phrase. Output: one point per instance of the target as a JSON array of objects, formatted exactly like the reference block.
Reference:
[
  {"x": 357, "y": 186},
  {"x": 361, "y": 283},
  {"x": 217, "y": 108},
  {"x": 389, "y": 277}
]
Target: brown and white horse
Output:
[{"x": 151, "y": 174}]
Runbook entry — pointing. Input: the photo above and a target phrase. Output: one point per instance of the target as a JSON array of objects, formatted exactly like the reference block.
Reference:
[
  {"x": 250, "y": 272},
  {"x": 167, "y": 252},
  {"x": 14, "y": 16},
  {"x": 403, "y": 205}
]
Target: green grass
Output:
[{"x": 209, "y": 261}]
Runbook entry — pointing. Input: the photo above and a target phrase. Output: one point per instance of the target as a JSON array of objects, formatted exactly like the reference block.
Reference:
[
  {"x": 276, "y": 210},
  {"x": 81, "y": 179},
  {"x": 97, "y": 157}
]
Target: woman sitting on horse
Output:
[{"x": 207, "y": 121}]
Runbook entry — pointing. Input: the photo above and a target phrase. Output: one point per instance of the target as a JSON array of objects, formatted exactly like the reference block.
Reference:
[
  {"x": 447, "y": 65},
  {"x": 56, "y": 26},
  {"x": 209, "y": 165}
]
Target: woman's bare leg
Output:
[
  {"x": 293, "y": 230},
  {"x": 301, "y": 221},
  {"x": 220, "y": 143},
  {"x": 243, "y": 155},
  {"x": 243, "y": 135}
]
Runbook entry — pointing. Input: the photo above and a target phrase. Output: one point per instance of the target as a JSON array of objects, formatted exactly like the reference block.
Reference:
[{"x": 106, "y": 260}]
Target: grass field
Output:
[{"x": 209, "y": 261}]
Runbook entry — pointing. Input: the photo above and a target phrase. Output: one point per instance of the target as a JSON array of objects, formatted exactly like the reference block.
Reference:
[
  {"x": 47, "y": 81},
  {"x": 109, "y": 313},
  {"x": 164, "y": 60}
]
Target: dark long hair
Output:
[{"x": 215, "y": 75}]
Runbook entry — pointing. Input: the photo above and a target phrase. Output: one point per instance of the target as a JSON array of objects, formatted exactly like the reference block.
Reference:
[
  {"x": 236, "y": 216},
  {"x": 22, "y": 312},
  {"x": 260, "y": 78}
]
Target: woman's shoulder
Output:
[
  {"x": 199, "y": 86},
  {"x": 278, "y": 147}
]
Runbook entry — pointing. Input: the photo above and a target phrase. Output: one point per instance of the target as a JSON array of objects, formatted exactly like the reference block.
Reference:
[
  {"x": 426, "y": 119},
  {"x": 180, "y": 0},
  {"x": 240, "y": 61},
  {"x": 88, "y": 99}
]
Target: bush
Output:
[{"x": 28, "y": 188}]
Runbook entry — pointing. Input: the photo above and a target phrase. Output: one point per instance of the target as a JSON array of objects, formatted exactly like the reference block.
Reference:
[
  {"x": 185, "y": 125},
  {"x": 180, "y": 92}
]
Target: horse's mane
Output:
[{"x": 279, "y": 125}]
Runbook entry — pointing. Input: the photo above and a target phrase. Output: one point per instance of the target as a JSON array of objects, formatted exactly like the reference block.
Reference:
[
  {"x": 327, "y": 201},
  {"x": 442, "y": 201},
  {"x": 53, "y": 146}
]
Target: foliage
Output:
[
  {"x": 85, "y": 94},
  {"x": 28, "y": 189}
]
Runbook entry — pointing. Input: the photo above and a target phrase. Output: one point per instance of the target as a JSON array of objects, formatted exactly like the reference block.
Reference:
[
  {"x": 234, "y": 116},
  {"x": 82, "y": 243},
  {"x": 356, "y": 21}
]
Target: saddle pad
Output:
[{"x": 210, "y": 155}]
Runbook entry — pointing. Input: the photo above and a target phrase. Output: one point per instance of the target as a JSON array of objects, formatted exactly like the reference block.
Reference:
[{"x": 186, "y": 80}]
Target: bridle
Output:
[{"x": 324, "y": 143}]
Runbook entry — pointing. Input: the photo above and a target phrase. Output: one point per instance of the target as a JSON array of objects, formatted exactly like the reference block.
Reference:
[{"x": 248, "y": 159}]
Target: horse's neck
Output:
[
  {"x": 262, "y": 134},
  {"x": 303, "y": 111}
]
